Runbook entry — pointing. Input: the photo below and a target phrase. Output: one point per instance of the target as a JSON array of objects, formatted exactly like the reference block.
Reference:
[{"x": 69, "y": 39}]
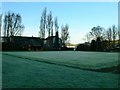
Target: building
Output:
[
  {"x": 53, "y": 43},
  {"x": 31, "y": 43}
]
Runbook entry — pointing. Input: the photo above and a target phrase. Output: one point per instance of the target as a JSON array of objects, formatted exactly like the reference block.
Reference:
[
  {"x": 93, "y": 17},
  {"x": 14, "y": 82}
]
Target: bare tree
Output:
[
  {"x": 43, "y": 24},
  {"x": 6, "y": 33},
  {"x": 44, "y": 14},
  {"x": 96, "y": 32},
  {"x": 57, "y": 44},
  {"x": 114, "y": 32},
  {"x": 104, "y": 35},
  {"x": 64, "y": 34},
  {"x": 56, "y": 24},
  {"x": 50, "y": 24},
  {"x": 12, "y": 25},
  {"x": 51, "y": 28},
  {"x": 109, "y": 36},
  {"x": 42, "y": 31},
  {"x": 88, "y": 37}
]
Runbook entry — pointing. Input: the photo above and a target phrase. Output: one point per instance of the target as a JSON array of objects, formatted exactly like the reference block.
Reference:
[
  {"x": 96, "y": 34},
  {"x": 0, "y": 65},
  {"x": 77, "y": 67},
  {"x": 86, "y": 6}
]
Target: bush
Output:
[{"x": 83, "y": 47}]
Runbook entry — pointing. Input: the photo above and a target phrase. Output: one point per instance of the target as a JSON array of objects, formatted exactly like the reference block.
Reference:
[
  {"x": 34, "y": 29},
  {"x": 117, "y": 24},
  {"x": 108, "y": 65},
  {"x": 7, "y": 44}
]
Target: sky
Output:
[{"x": 80, "y": 16}]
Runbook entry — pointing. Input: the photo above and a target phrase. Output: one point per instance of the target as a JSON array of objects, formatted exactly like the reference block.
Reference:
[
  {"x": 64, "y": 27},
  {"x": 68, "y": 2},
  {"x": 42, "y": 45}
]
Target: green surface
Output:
[
  {"x": 22, "y": 73},
  {"x": 84, "y": 60}
]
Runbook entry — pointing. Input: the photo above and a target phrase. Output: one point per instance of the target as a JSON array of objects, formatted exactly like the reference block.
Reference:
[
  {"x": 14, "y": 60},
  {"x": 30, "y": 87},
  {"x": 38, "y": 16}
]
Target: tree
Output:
[
  {"x": 64, "y": 34},
  {"x": 109, "y": 36},
  {"x": 42, "y": 31},
  {"x": 104, "y": 45},
  {"x": 56, "y": 24},
  {"x": 50, "y": 24},
  {"x": 5, "y": 25},
  {"x": 98, "y": 44},
  {"x": 57, "y": 44},
  {"x": 43, "y": 24},
  {"x": 93, "y": 45},
  {"x": 82, "y": 47},
  {"x": 12, "y": 25},
  {"x": 114, "y": 32},
  {"x": 88, "y": 37},
  {"x": 96, "y": 32}
]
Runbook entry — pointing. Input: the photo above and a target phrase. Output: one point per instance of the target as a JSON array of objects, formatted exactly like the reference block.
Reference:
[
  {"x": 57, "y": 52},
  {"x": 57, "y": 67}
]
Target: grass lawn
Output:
[
  {"x": 50, "y": 70},
  {"x": 83, "y": 60}
]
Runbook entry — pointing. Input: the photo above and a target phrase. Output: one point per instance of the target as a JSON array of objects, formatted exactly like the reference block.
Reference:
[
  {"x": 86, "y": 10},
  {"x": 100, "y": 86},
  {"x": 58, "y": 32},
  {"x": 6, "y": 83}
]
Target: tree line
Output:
[
  {"x": 48, "y": 26},
  {"x": 102, "y": 39}
]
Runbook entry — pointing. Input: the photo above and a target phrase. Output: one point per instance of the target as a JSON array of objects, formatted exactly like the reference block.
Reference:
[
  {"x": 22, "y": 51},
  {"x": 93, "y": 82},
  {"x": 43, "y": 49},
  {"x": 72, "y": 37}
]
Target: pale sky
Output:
[{"x": 80, "y": 16}]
